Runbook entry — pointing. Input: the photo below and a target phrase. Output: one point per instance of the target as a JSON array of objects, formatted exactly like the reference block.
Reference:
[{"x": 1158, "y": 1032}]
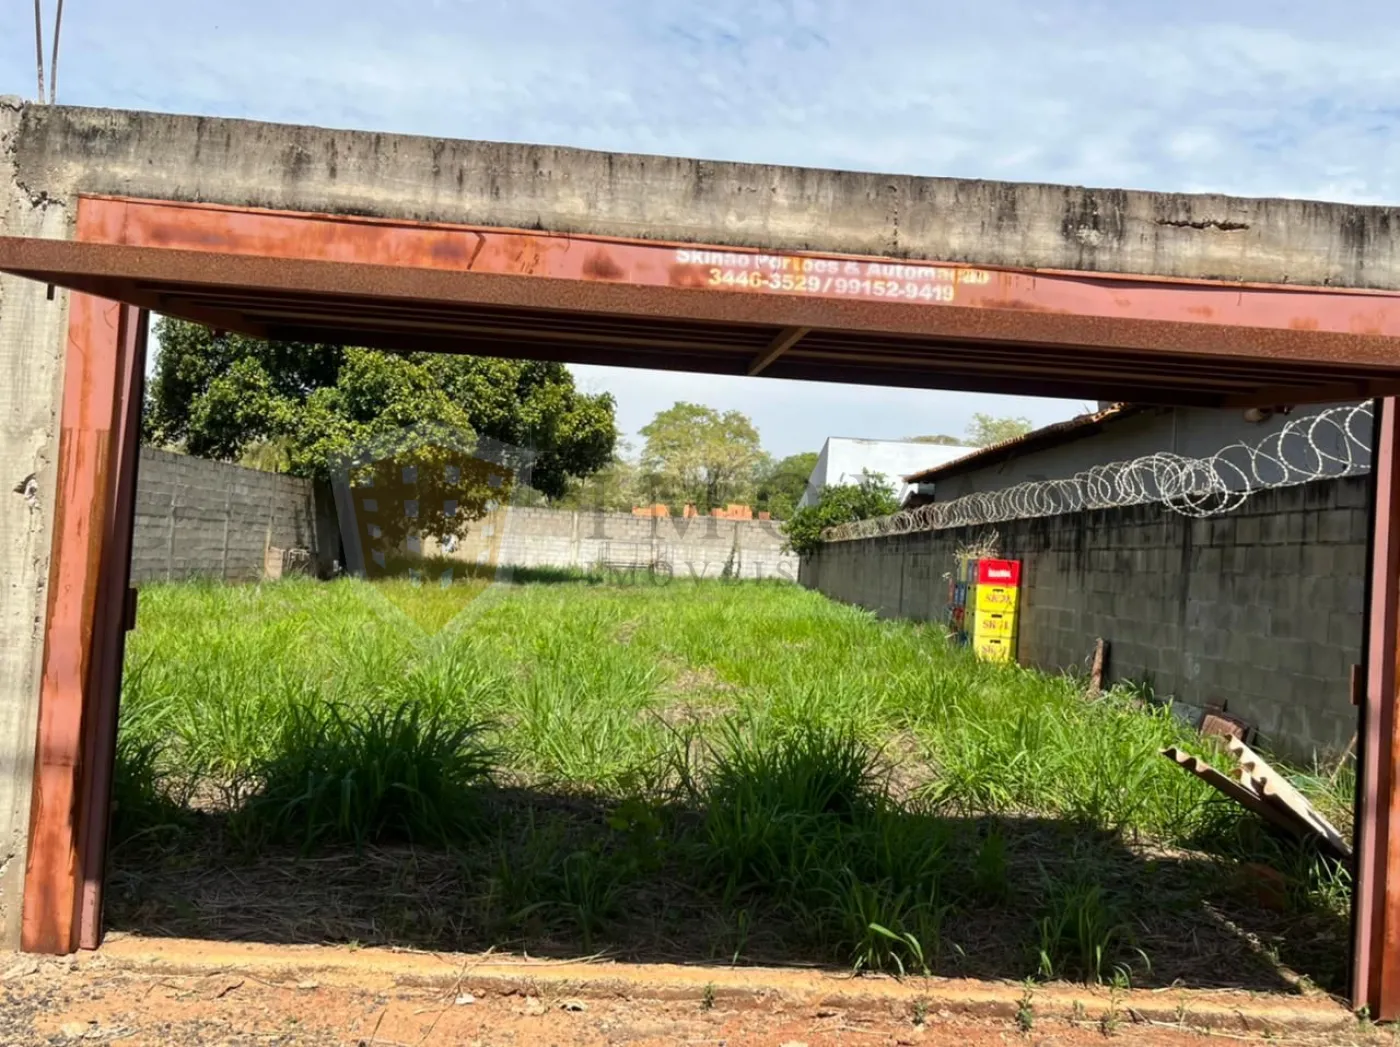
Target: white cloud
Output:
[{"x": 1242, "y": 96}]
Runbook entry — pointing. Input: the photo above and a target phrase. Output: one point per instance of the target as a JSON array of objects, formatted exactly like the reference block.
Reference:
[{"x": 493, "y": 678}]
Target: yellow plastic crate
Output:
[
  {"x": 995, "y": 623},
  {"x": 994, "y": 648},
  {"x": 998, "y": 598}
]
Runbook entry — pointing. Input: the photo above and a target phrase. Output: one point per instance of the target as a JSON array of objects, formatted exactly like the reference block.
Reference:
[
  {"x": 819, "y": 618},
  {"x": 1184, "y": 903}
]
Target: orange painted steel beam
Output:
[
  {"x": 77, "y": 624},
  {"x": 141, "y": 274},
  {"x": 452, "y": 248}
]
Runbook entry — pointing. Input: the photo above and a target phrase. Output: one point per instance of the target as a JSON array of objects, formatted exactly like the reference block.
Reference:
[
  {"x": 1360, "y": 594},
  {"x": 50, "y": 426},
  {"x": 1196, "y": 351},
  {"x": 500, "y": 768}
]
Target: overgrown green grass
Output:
[{"x": 685, "y": 770}]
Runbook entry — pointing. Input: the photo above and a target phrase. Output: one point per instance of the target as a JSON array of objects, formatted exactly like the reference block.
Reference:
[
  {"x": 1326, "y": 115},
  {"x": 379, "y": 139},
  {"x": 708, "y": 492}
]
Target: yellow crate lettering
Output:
[
  {"x": 996, "y": 649},
  {"x": 997, "y": 598},
  {"x": 995, "y": 624}
]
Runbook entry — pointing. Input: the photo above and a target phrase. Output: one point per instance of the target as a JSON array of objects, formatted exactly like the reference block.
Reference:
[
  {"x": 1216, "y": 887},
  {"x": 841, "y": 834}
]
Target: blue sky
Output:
[{"x": 1247, "y": 97}]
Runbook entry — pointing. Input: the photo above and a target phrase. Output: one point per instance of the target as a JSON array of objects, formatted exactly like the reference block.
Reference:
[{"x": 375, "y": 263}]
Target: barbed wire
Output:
[{"x": 1332, "y": 443}]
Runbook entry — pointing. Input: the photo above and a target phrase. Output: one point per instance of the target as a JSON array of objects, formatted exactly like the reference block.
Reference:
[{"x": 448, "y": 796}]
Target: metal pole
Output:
[
  {"x": 53, "y": 64},
  {"x": 39, "y": 46},
  {"x": 86, "y": 569},
  {"x": 1375, "y": 981},
  {"x": 109, "y": 639}
]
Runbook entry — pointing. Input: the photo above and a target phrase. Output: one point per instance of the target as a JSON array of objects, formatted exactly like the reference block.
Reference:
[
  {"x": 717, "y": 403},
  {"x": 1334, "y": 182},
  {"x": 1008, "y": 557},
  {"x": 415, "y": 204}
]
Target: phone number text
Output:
[{"x": 858, "y": 286}]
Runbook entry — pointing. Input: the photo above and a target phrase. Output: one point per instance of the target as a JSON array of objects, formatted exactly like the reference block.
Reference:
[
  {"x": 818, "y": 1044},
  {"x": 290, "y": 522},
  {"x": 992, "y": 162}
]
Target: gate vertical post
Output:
[
  {"x": 1376, "y": 903},
  {"x": 115, "y": 615},
  {"x": 91, "y": 548}
]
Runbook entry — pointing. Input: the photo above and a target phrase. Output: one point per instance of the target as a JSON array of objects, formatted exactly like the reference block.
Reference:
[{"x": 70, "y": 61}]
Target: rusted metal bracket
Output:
[{"x": 785, "y": 340}]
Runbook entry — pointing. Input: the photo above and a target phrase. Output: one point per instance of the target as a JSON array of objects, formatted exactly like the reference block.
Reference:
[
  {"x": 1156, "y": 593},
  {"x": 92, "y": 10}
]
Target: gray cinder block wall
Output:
[
  {"x": 700, "y": 547},
  {"x": 197, "y": 518},
  {"x": 200, "y": 518},
  {"x": 1258, "y": 611}
]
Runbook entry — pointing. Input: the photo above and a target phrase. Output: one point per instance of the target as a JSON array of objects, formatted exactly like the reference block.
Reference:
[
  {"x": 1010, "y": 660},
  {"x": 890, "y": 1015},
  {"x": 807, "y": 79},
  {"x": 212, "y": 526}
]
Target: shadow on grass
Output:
[
  {"x": 886, "y": 888},
  {"x": 600, "y": 574}
]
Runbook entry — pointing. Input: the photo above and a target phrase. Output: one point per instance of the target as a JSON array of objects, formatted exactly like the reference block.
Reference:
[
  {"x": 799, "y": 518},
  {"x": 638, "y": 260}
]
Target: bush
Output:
[{"x": 840, "y": 503}]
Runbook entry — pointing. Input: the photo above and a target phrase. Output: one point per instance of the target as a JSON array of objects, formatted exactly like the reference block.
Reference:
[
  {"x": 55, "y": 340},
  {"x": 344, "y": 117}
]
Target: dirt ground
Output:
[{"x": 144, "y": 991}]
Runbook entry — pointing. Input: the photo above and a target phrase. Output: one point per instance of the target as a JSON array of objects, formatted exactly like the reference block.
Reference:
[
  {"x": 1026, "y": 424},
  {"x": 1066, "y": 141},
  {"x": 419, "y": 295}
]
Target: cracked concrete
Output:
[
  {"x": 29, "y": 489},
  {"x": 1224, "y": 225},
  {"x": 31, "y": 339},
  {"x": 62, "y": 150}
]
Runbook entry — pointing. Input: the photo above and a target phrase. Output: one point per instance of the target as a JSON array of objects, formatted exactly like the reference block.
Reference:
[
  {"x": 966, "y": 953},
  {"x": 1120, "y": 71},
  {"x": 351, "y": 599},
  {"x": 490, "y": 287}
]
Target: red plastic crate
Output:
[{"x": 1005, "y": 573}]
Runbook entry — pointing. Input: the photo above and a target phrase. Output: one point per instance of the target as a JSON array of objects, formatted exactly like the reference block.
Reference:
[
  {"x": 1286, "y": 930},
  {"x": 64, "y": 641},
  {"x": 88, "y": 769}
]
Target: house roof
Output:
[{"x": 1038, "y": 439}]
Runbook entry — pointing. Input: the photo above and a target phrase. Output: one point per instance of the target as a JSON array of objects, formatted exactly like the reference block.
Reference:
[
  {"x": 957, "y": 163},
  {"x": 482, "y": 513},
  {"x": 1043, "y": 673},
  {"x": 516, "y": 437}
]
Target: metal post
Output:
[
  {"x": 170, "y": 532},
  {"x": 90, "y": 555},
  {"x": 109, "y": 632},
  {"x": 1376, "y": 904},
  {"x": 228, "y": 518}
]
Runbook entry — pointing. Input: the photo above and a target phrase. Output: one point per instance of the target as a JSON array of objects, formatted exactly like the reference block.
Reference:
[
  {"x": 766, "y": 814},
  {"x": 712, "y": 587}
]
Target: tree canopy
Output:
[
  {"x": 297, "y": 405},
  {"x": 985, "y": 429},
  {"x": 616, "y": 487},
  {"x": 696, "y": 454},
  {"x": 781, "y": 484},
  {"x": 838, "y": 504}
]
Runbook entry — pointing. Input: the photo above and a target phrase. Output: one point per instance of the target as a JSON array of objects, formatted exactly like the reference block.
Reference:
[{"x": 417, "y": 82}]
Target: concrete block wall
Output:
[
  {"x": 700, "y": 547},
  {"x": 200, "y": 518},
  {"x": 1259, "y": 611},
  {"x": 197, "y": 518}
]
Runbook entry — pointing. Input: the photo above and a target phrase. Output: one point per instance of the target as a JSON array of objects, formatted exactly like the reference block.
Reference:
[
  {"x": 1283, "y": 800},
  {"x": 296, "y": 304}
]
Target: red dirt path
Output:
[{"x": 142, "y": 991}]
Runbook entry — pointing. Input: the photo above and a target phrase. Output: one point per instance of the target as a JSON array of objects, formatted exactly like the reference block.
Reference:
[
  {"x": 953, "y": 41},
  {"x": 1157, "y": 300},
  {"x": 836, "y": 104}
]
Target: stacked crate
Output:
[
  {"x": 984, "y": 599},
  {"x": 996, "y": 606},
  {"x": 962, "y": 608}
]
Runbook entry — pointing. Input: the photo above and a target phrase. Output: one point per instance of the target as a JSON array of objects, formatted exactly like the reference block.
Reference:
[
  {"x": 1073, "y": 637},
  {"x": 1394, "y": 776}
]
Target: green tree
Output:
[
  {"x": 214, "y": 396},
  {"x": 289, "y": 404},
  {"x": 614, "y": 488},
  {"x": 985, "y": 429},
  {"x": 780, "y": 485},
  {"x": 375, "y": 396},
  {"x": 696, "y": 454},
  {"x": 838, "y": 504},
  {"x": 534, "y": 404}
]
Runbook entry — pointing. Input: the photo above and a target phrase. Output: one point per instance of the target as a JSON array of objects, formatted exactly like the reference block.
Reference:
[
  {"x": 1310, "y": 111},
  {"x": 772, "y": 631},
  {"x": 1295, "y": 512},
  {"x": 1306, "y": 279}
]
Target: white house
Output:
[{"x": 844, "y": 459}]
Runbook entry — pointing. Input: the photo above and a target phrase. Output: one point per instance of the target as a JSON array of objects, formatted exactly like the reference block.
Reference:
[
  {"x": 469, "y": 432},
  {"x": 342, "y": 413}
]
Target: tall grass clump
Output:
[
  {"x": 149, "y": 792},
  {"x": 1017, "y": 742},
  {"x": 803, "y": 817},
  {"x": 146, "y": 799},
  {"x": 1084, "y": 932},
  {"x": 404, "y": 772}
]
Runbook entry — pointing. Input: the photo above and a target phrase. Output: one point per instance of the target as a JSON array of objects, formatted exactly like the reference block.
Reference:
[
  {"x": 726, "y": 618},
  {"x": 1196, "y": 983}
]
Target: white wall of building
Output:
[{"x": 844, "y": 459}]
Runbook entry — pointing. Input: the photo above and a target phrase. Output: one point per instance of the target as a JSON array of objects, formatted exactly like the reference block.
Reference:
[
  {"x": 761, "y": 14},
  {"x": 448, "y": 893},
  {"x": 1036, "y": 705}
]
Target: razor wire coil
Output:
[{"x": 1328, "y": 445}]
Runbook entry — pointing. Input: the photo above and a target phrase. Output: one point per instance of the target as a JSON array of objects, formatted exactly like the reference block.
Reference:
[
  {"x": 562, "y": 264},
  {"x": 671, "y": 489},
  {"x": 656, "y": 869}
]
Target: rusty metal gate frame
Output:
[
  {"x": 87, "y": 616},
  {"x": 88, "y": 603}
]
